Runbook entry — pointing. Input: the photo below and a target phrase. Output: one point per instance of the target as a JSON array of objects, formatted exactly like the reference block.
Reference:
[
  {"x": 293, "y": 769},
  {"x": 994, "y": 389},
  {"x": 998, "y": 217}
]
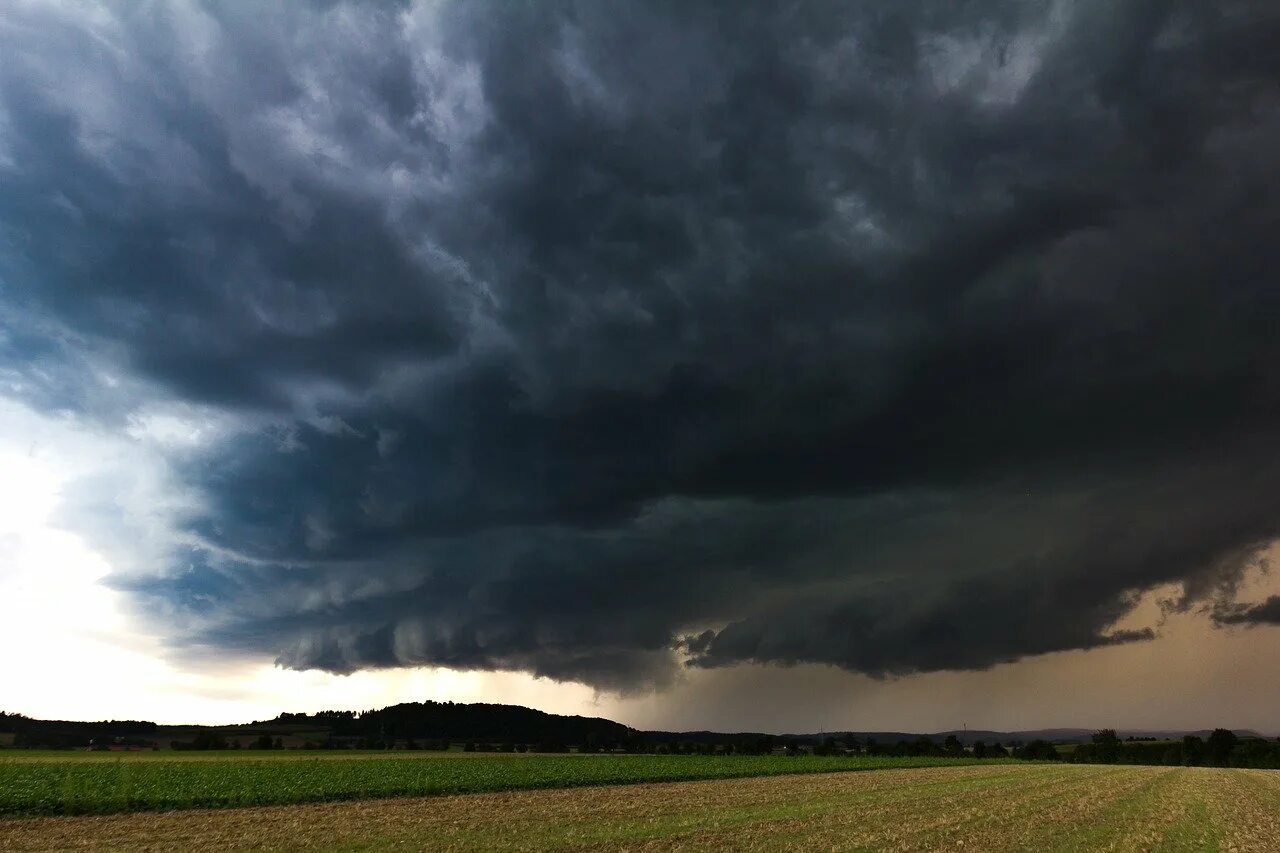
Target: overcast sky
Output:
[{"x": 782, "y": 366}]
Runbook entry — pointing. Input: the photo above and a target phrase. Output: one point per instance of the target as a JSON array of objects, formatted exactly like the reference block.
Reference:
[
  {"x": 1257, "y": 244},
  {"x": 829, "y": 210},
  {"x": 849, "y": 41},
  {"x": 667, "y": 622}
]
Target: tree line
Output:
[
  {"x": 1222, "y": 748},
  {"x": 514, "y": 729}
]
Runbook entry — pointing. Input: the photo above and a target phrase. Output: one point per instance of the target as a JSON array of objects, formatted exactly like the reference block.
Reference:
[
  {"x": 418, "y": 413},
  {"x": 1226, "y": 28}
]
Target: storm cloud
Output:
[
  {"x": 1265, "y": 613},
  {"x": 597, "y": 340}
]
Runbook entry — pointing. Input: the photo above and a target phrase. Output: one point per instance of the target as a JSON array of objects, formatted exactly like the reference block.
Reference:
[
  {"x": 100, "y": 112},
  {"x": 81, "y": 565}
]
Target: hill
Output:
[
  {"x": 444, "y": 722},
  {"x": 461, "y": 722}
]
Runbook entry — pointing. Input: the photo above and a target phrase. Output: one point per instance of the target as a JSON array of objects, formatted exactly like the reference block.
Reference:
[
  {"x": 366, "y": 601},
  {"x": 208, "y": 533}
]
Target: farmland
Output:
[
  {"x": 33, "y": 783},
  {"x": 1001, "y": 807}
]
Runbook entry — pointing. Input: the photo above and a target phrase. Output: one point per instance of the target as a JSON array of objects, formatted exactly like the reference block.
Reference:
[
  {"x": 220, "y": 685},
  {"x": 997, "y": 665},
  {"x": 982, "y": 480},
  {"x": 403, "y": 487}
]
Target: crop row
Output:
[{"x": 77, "y": 787}]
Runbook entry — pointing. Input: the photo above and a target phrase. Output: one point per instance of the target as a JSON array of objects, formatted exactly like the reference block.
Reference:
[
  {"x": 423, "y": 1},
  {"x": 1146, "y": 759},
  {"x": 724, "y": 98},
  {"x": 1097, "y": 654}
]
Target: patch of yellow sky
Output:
[
  {"x": 1191, "y": 676},
  {"x": 71, "y": 653}
]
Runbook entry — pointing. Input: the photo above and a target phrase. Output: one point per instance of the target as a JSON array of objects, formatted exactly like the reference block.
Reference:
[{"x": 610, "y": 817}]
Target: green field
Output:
[
  {"x": 33, "y": 783},
  {"x": 1022, "y": 806}
]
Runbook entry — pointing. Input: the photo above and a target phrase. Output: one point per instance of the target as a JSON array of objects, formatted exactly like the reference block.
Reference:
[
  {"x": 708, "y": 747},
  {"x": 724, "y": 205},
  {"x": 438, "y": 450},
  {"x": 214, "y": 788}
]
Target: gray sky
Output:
[{"x": 735, "y": 369}]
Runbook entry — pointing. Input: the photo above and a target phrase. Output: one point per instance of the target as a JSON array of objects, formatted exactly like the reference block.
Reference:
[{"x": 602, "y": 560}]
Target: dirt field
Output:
[{"x": 1024, "y": 807}]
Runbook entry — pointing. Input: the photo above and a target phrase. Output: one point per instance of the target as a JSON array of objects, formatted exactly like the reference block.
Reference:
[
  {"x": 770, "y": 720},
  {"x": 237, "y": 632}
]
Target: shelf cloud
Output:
[{"x": 600, "y": 343}]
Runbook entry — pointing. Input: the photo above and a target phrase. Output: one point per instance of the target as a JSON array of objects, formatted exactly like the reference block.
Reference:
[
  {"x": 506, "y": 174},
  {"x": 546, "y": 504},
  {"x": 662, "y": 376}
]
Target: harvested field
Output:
[{"x": 1003, "y": 807}]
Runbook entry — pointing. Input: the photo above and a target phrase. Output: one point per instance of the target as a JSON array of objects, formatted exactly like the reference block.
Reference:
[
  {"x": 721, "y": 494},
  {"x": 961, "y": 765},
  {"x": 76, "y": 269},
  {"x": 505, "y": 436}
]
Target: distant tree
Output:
[
  {"x": 924, "y": 746},
  {"x": 979, "y": 749},
  {"x": 279, "y": 743},
  {"x": 263, "y": 742},
  {"x": 208, "y": 740},
  {"x": 952, "y": 746},
  {"x": 1192, "y": 750},
  {"x": 1218, "y": 746},
  {"x": 1106, "y": 746},
  {"x": 1037, "y": 750}
]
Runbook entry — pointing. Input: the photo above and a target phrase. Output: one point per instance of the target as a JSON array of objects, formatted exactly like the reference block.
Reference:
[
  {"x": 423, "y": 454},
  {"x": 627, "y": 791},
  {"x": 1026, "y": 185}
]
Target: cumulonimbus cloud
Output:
[{"x": 584, "y": 341}]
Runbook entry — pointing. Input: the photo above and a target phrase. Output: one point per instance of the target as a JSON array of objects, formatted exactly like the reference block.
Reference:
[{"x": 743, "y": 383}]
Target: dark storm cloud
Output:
[
  {"x": 576, "y": 339},
  {"x": 1266, "y": 613}
]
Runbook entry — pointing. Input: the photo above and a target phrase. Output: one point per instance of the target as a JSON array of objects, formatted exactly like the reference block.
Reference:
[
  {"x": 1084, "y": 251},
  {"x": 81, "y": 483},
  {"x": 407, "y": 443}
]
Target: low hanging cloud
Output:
[
  {"x": 1264, "y": 613},
  {"x": 593, "y": 342}
]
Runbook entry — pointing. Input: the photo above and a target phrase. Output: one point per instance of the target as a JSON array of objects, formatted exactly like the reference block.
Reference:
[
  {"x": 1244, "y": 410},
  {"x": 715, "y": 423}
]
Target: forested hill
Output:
[
  {"x": 463, "y": 722},
  {"x": 441, "y": 722}
]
